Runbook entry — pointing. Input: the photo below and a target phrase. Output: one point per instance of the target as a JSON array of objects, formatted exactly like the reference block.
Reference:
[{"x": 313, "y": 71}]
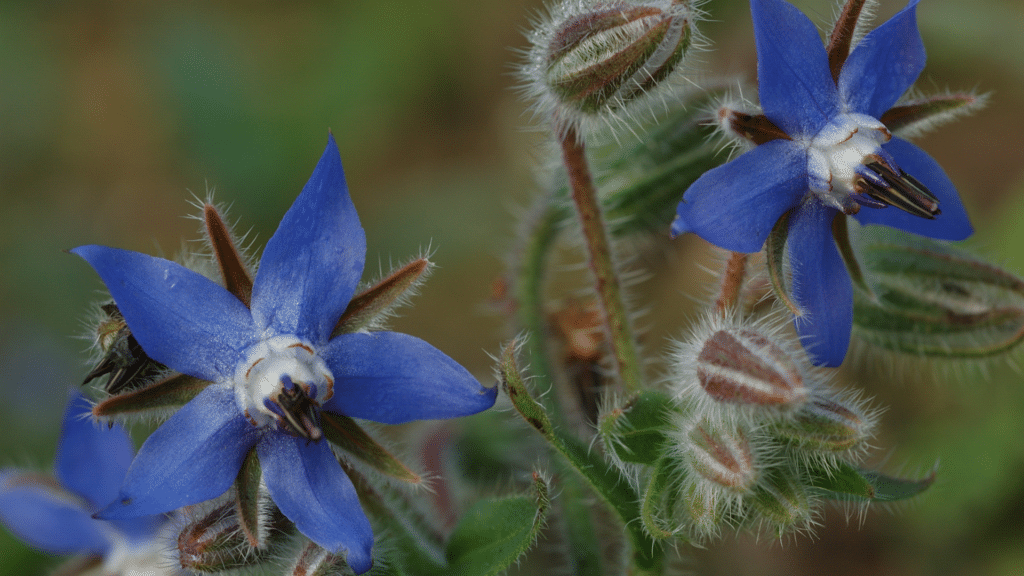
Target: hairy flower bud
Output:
[
  {"x": 829, "y": 426},
  {"x": 723, "y": 456},
  {"x": 731, "y": 366},
  {"x": 315, "y": 561},
  {"x": 215, "y": 542},
  {"x": 592, "y": 58},
  {"x": 782, "y": 501}
]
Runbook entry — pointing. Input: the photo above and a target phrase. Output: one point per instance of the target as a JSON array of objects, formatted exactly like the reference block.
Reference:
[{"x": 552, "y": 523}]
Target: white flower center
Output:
[
  {"x": 836, "y": 152},
  {"x": 280, "y": 367}
]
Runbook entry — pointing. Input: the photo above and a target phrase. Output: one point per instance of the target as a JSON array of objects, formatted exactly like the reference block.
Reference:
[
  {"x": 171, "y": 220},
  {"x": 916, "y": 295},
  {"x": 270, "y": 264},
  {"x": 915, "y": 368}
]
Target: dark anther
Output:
[
  {"x": 894, "y": 187},
  {"x": 298, "y": 414}
]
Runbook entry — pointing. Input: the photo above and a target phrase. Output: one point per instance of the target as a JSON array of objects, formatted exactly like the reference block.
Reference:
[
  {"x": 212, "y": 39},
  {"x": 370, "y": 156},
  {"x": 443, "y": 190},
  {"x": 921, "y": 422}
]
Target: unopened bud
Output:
[
  {"x": 593, "y": 59},
  {"x": 316, "y": 561},
  {"x": 216, "y": 542},
  {"x": 723, "y": 456},
  {"x": 746, "y": 367},
  {"x": 782, "y": 501},
  {"x": 706, "y": 510},
  {"x": 829, "y": 426}
]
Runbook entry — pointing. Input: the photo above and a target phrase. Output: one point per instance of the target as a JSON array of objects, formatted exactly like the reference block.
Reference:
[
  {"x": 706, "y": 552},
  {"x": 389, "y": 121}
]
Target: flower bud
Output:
[
  {"x": 745, "y": 367},
  {"x": 828, "y": 426},
  {"x": 592, "y": 58},
  {"x": 723, "y": 456},
  {"x": 216, "y": 542},
  {"x": 782, "y": 501},
  {"x": 315, "y": 561},
  {"x": 731, "y": 366}
]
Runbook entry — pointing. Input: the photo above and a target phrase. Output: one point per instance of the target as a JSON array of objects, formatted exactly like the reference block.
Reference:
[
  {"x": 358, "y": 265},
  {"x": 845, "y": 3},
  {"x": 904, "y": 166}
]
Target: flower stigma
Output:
[
  {"x": 284, "y": 382},
  {"x": 848, "y": 168}
]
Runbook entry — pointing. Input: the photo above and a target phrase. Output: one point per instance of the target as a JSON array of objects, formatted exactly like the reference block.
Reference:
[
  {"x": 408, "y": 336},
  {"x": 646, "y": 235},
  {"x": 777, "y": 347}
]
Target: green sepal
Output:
[
  {"x": 247, "y": 500},
  {"x": 775, "y": 259},
  {"x": 495, "y": 533},
  {"x": 368, "y": 305},
  {"x": 934, "y": 301},
  {"x": 172, "y": 392},
  {"x": 636, "y": 432},
  {"x": 664, "y": 472},
  {"x": 918, "y": 114},
  {"x": 343, "y": 432},
  {"x": 844, "y": 481},
  {"x": 841, "y": 234}
]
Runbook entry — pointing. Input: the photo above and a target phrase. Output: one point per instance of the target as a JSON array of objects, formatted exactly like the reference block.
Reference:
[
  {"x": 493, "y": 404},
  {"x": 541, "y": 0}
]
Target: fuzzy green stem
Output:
[
  {"x": 607, "y": 482},
  {"x": 529, "y": 289},
  {"x": 606, "y": 282}
]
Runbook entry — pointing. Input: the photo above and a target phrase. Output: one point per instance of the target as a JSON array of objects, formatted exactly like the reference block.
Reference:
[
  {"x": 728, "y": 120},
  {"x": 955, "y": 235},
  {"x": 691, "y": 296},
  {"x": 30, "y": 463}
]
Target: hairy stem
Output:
[
  {"x": 732, "y": 282},
  {"x": 609, "y": 290}
]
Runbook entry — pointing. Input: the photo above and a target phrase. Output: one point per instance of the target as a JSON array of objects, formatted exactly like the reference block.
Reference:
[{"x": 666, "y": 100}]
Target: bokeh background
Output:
[{"x": 113, "y": 114}]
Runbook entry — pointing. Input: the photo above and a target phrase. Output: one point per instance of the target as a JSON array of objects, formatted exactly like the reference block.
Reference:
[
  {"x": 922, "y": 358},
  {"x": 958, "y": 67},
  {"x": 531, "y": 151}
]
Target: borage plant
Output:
[{"x": 263, "y": 373}]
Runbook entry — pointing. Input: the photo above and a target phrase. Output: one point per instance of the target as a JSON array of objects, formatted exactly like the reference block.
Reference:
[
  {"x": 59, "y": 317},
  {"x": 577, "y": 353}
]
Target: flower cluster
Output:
[{"x": 261, "y": 372}]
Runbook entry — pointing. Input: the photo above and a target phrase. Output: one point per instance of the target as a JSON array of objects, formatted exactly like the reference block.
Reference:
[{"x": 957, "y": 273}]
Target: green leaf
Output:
[
  {"x": 933, "y": 301},
  {"x": 846, "y": 482},
  {"x": 495, "y": 533},
  {"x": 636, "y": 432}
]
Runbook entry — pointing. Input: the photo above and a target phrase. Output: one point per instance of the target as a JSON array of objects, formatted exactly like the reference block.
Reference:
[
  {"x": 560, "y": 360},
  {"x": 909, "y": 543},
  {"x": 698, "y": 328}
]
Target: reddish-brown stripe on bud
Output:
[{"x": 745, "y": 367}]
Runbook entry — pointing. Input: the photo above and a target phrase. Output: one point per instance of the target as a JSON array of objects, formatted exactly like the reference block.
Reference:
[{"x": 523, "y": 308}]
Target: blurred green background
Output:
[{"x": 114, "y": 113}]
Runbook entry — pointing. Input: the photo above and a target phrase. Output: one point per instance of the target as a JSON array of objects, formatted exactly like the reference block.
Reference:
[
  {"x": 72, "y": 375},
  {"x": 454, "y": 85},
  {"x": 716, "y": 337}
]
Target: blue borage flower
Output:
[
  {"x": 834, "y": 157},
  {"x": 275, "y": 366},
  {"x": 56, "y": 516}
]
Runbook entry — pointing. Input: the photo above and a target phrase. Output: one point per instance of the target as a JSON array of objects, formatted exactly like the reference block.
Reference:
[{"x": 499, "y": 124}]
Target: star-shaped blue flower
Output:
[
  {"x": 56, "y": 516},
  {"x": 838, "y": 158},
  {"x": 275, "y": 367}
]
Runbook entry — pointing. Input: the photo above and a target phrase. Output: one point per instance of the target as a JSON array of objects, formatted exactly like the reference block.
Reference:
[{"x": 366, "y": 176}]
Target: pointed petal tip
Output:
[{"x": 678, "y": 227}]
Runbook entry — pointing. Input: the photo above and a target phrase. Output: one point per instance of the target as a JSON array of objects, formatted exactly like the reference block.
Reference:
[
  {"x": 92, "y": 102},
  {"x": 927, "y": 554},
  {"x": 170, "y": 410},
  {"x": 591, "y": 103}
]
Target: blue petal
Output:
[
  {"x": 736, "y": 205},
  {"x": 312, "y": 264},
  {"x": 794, "y": 83},
  {"x": 884, "y": 65},
  {"x": 952, "y": 224},
  {"x": 47, "y": 518},
  {"x": 821, "y": 285},
  {"x": 91, "y": 458},
  {"x": 394, "y": 378},
  {"x": 194, "y": 456},
  {"x": 308, "y": 485},
  {"x": 180, "y": 318}
]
